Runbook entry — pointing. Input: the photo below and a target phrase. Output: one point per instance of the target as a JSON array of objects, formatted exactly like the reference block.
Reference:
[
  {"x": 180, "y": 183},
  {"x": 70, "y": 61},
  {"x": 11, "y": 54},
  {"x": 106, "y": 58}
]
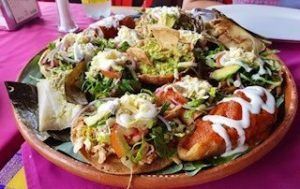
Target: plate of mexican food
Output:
[{"x": 167, "y": 98}]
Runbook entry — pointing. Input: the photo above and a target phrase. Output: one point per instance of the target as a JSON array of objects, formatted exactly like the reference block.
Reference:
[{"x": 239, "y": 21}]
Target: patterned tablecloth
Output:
[{"x": 12, "y": 176}]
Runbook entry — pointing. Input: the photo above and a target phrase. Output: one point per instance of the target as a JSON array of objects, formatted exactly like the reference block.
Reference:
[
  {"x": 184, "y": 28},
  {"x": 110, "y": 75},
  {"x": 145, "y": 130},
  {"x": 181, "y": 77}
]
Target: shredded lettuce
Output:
[
  {"x": 98, "y": 87},
  {"x": 126, "y": 85},
  {"x": 195, "y": 103},
  {"x": 101, "y": 86},
  {"x": 102, "y": 44},
  {"x": 102, "y": 121},
  {"x": 103, "y": 138},
  {"x": 138, "y": 151},
  {"x": 266, "y": 81},
  {"x": 147, "y": 92}
]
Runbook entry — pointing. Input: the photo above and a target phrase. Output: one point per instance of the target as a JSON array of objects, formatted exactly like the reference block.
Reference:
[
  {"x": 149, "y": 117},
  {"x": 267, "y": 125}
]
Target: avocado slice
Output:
[{"x": 224, "y": 72}]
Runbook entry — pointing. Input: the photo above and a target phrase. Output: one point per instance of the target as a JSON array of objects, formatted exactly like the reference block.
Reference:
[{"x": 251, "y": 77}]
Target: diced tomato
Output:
[
  {"x": 134, "y": 135},
  {"x": 109, "y": 32},
  {"x": 128, "y": 21},
  {"x": 111, "y": 74},
  {"x": 171, "y": 96}
]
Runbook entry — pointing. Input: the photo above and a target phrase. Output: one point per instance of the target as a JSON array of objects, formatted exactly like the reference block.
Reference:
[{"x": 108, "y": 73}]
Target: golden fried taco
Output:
[{"x": 235, "y": 124}]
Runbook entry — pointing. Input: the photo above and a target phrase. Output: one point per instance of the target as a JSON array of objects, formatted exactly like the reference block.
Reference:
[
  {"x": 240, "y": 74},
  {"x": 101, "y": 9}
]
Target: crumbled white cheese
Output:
[
  {"x": 187, "y": 36},
  {"x": 108, "y": 107},
  {"x": 128, "y": 35},
  {"x": 82, "y": 51},
  {"x": 135, "y": 110},
  {"x": 108, "y": 22},
  {"x": 191, "y": 87},
  {"x": 106, "y": 60},
  {"x": 237, "y": 56},
  {"x": 78, "y": 45},
  {"x": 158, "y": 12}
]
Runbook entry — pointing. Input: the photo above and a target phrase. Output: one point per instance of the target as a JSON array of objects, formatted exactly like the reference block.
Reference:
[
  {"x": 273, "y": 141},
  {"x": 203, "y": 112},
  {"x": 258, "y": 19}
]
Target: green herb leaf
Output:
[
  {"x": 269, "y": 52},
  {"x": 102, "y": 121},
  {"x": 164, "y": 107},
  {"x": 221, "y": 160},
  {"x": 140, "y": 152},
  {"x": 171, "y": 170},
  {"x": 98, "y": 87},
  {"x": 103, "y": 43},
  {"x": 160, "y": 144},
  {"x": 128, "y": 85},
  {"x": 212, "y": 91},
  {"x": 216, "y": 50},
  {"x": 189, "y": 166},
  {"x": 197, "y": 167},
  {"x": 124, "y": 46},
  {"x": 110, "y": 44},
  {"x": 32, "y": 73},
  {"x": 147, "y": 92}
]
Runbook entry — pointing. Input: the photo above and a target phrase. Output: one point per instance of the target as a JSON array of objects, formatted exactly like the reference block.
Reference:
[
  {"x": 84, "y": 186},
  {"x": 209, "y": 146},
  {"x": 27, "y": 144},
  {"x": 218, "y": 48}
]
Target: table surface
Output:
[
  {"x": 16, "y": 49},
  {"x": 280, "y": 167}
]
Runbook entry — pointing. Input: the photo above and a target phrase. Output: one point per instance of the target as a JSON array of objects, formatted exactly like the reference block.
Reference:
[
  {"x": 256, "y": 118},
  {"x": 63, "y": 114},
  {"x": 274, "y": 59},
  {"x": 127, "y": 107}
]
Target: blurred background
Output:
[{"x": 136, "y": 2}]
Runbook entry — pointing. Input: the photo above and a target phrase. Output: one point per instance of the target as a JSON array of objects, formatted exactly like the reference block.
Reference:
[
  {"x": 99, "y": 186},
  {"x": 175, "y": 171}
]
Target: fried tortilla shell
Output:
[
  {"x": 156, "y": 79},
  {"x": 167, "y": 37},
  {"x": 230, "y": 34},
  {"x": 140, "y": 56},
  {"x": 113, "y": 165}
]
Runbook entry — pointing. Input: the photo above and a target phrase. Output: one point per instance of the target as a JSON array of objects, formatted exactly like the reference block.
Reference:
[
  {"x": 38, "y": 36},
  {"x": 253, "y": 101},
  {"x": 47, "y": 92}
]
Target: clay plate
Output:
[{"x": 167, "y": 181}]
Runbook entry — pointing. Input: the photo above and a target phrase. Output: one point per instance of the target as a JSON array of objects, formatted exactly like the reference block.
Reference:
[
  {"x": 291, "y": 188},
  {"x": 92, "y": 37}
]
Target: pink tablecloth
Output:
[
  {"x": 279, "y": 169},
  {"x": 16, "y": 48}
]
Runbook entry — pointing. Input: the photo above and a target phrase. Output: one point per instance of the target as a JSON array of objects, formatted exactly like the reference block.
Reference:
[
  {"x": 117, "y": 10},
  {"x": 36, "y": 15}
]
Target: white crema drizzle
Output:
[{"x": 254, "y": 106}]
